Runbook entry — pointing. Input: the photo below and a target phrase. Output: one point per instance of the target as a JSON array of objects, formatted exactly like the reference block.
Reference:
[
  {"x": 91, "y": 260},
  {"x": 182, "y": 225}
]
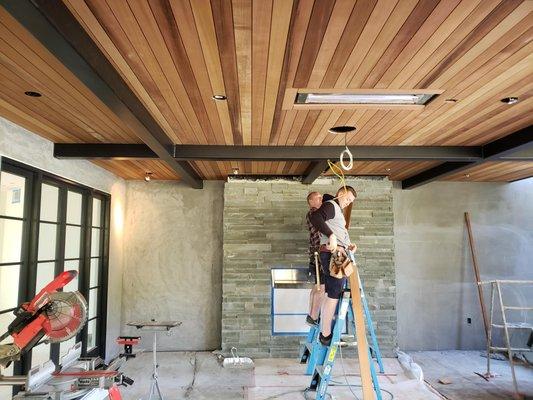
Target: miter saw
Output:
[{"x": 51, "y": 316}]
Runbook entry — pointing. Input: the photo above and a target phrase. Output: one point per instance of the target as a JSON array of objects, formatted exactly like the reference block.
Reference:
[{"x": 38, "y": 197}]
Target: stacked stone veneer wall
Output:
[{"x": 264, "y": 227}]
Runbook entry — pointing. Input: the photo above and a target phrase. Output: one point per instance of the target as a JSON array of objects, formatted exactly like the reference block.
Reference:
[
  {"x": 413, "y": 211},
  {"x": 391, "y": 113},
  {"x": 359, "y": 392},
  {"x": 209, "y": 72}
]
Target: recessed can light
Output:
[
  {"x": 450, "y": 101},
  {"x": 235, "y": 171},
  {"x": 510, "y": 100},
  {"x": 388, "y": 169},
  {"x": 341, "y": 130},
  {"x": 467, "y": 175},
  {"x": 219, "y": 97},
  {"x": 32, "y": 94},
  {"x": 148, "y": 176}
]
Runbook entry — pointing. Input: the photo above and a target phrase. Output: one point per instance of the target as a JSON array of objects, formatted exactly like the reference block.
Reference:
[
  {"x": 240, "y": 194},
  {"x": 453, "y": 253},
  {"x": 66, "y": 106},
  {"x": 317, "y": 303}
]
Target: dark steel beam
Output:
[
  {"x": 51, "y": 23},
  {"x": 271, "y": 153},
  {"x": 314, "y": 171},
  {"x": 323, "y": 153},
  {"x": 109, "y": 151},
  {"x": 519, "y": 142}
]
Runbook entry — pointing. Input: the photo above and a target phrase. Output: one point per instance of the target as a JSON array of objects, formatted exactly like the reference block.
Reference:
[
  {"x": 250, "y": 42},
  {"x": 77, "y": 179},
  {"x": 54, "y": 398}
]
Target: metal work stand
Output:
[
  {"x": 155, "y": 327},
  {"x": 496, "y": 287}
]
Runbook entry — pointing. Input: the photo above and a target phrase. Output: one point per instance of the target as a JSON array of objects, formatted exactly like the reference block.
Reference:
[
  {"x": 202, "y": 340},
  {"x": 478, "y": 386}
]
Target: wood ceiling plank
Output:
[
  {"x": 338, "y": 140},
  {"x": 156, "y": 23},
  {"x": 26, "y": 117},
  {"x": 483, "y": 32},
  {"x": 488, "y": 38},
  {"x": 242, "y": 19},
  {"x": 129, "y": 36},
  {"x": 323, "y": 131},
  {"x": 473, "y": 81},
  {"x": 439, "y": 46},
  {"x": 224, "y": 29},
  {"x": 261, "y": 19},
  {"x": 286, "y": 126},
  {"x": 375, "y": 23},
  {"x": 33, "y": 62},
  {"x": 390, "y": 30},
  {"x": 296, "y": 127},
  {"x": 350, "y": 36},
  {"x": 318, "y": 126},
  {"x": 412, "y": 57},
  {"x": 477, "y": 98},
  {"x": 118, "y": 48},
  {"x": 500, "y": 130},
  {"x": 281, "y": 17},
  {"x": 184, "y": 52},
  {"x": 336, "y": 25},
  {"x": 318, "y": 24},
  {"x": 376, "y": 133},
  {"x": 342, "y": 120},
  {"x": 310, "y": 121},
  {"x": 426, "y": 17},
  {"x": 494, "y": 171}
]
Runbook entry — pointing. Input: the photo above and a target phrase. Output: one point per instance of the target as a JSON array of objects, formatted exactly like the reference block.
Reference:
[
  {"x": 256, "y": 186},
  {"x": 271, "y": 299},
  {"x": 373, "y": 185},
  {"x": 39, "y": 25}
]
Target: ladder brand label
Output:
[{"x": 332, "y": 354}]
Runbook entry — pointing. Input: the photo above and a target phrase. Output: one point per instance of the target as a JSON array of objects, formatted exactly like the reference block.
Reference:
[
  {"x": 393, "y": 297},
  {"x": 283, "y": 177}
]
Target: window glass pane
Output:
[
  {"x": 9, "y": 288},
  {"x": 73, "y": 284},
  {"x": 40, "y": 354},
  {"x": 65, "y": 346},
  {"x": 12, "y": 195},
  {"x": 47, "y": 242},
  {"x": 74, "y": 208},
  {"x": 5, "y": 319},
  {"x": 95, "y": 242},
  {"x": 45, "y": 275},
  {"x": 95, "y": 265},
  {"x": 6, "y": 392},
  {"x": 49, "y": 198},
  {"x": 97, "y": 206},
  {"x": 93, "y": 303},
  {"x": 72, "y": 242},
  {"x": 10, "y": 240},
  {"x": 91, "y": 334}
]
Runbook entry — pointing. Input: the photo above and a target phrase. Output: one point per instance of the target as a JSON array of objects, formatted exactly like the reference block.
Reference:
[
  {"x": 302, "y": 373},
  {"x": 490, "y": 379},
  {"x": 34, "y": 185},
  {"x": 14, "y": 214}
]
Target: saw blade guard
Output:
[{"x": 66, "y": 315}]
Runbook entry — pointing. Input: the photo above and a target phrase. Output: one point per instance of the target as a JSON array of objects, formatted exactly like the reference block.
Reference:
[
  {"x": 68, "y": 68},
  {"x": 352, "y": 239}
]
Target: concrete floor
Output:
[
  {"x": 460, "y": 368},
  {"x": 195, "y": 376}
]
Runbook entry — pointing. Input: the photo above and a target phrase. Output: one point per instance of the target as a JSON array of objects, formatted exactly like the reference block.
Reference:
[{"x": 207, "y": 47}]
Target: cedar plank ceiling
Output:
[{"x": 175, "y": 55}]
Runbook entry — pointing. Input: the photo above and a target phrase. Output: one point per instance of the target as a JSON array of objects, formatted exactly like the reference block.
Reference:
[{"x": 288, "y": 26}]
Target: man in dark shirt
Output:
[
  {"x": 314, "y": 201},
  {"x": 330, "y": 222}
]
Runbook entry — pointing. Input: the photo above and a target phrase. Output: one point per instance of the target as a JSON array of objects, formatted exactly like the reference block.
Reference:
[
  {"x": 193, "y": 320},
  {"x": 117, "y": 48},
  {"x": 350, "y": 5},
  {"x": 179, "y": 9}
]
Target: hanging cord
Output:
[
  {"x": 338, "y": 172},
  {"x": 348, "y": 153}
]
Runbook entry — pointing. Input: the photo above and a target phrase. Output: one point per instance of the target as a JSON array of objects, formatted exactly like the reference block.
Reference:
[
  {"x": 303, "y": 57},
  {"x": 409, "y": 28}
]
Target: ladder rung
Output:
[
  {"x": 514, "y": 325},
  {"x": 524, "y": 350},
  {"x": 343, "y": 343},
  {"x": 517, "y": 308}
]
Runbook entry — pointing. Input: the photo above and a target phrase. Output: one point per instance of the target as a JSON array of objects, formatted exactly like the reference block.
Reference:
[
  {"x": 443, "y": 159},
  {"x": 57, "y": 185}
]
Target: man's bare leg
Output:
[
  {"x": 317, "y": 297},
  {"x": 329, "y": 306}
]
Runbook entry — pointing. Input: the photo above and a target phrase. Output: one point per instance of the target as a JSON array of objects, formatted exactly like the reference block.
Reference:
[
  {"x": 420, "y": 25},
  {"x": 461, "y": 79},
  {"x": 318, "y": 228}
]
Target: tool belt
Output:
[{"x": 340, "y": 265}]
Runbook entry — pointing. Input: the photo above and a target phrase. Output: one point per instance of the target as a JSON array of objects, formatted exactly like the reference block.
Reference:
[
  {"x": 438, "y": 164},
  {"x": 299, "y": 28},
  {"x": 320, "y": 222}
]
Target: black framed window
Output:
[{"x": 48, "y": 225}]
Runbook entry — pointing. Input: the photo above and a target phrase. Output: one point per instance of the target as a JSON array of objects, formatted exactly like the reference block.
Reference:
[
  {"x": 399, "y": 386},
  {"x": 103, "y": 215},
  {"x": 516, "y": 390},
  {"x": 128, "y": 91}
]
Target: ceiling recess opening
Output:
[{"x": 365, "y": 98}]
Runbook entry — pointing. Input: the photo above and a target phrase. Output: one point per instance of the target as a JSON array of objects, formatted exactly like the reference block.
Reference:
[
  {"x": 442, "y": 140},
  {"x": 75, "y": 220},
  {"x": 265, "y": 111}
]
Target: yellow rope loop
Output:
[{"x": 338, "y": 172}]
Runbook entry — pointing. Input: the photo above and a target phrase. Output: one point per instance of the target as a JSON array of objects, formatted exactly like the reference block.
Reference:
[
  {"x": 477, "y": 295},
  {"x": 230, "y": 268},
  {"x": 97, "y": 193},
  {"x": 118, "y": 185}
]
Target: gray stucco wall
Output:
[
  {"x": 19, "y": 144},
  {"x": 173, "y": 261},
  {"x": 435, "y": 283},
  {"x": 264, "y": 227}
]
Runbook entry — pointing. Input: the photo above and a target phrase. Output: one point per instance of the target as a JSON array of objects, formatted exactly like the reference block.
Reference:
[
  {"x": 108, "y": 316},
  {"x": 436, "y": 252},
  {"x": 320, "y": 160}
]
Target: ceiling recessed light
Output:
[
  {"x": 467, "y": 175},
  {"x": 219, "y": 97},
  {"x": 33, "y": 94},
  {"x": 148, "y": 176},
  {"x": 235, "y": 171},
  {"x": 388, "y": 169},
  {"x": 510, "y": 100},
  {"x": 363, "y": 98},
  {"x": 341, "y": 130},
  {"x": 450, "y": 101}
]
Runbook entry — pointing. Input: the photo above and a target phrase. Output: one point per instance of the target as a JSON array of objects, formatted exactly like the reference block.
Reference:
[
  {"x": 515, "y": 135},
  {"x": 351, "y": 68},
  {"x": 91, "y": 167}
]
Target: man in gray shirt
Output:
[{"x": 330, "y": 222}]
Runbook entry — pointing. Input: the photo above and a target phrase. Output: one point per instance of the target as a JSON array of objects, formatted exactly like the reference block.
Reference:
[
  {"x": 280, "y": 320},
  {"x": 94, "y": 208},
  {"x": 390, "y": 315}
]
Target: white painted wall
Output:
[{"x": 19, "y": 144}]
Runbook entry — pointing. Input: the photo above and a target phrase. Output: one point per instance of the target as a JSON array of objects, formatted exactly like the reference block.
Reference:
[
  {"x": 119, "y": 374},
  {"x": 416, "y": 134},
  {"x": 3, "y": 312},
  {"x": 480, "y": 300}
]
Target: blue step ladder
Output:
[{"x": 320, "y": 359}]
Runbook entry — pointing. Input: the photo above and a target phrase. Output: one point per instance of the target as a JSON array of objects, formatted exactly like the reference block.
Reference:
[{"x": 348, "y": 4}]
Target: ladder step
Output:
[
  {"x": 517, "y": 308},
  {"x": 523, "y": 350},
  {"x": 514, "y": 325}
]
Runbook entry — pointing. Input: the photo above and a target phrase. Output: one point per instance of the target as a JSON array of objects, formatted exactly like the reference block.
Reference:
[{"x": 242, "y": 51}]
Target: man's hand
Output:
[
  {"x": 352, "y": 247},
  {"x": 332, "y": 244}
]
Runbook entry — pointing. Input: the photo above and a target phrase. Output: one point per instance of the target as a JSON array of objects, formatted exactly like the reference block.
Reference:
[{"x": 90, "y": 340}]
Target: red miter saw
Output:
[{"x": 52, "y": 316}]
